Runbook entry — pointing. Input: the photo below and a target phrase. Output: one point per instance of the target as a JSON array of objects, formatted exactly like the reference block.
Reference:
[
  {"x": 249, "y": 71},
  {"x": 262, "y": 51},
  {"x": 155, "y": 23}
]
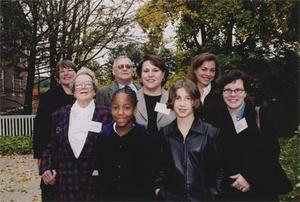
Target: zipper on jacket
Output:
[{"x": 185, "y": 165}]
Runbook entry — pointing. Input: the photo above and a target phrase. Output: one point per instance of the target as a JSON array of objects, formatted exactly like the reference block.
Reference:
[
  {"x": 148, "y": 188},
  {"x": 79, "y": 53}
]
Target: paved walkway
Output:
[{"x": 19, "y": 180}]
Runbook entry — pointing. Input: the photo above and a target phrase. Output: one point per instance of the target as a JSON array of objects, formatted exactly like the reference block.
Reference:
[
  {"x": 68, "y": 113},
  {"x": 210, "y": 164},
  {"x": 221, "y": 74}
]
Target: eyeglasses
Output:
[
  {"x": 237, "y": 91},
  {"x": 86, "y": 84},
  {"x": 127, "y": 66}
]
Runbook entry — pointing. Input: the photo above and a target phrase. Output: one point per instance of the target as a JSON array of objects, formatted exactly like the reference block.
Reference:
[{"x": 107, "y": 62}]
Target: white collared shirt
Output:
[
  {"x": 80, "y": 119},
  {"x": 206, "y": 91},
  {"x": 131, "y": 85}
]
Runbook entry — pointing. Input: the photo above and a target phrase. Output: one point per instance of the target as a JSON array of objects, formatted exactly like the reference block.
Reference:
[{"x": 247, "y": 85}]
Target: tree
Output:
[
  {"x": 71, "y": 29},
  {"x": 261, "y": 37},
  {"x": 245, "y": 28}
]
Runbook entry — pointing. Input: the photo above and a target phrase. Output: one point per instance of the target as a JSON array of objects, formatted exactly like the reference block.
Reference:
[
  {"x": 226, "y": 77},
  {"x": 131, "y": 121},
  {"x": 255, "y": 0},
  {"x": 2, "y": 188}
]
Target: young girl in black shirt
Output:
[{"x": 124, "y": 163}]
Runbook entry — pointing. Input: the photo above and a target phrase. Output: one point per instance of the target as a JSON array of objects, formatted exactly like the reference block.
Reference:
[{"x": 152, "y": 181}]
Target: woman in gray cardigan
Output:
[{"x": 152, "y": 111}]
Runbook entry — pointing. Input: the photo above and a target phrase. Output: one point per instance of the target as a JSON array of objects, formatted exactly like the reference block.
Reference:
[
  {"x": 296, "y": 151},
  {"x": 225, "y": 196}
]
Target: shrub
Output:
[
  {"x": 289, "y": 158},
  {"x": 15, "y": 145}
]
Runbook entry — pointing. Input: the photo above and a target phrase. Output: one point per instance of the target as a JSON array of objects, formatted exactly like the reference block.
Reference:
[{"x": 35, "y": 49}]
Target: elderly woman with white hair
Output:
[{"x": 68, "y": 162}]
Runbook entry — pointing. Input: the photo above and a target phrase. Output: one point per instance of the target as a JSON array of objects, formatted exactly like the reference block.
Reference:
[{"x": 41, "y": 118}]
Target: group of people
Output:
[{"x": 200, "y": 141}]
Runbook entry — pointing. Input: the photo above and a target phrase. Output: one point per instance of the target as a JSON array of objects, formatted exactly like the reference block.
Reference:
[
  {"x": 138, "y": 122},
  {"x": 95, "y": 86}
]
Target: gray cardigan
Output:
[{"x": 141, "y": 112}]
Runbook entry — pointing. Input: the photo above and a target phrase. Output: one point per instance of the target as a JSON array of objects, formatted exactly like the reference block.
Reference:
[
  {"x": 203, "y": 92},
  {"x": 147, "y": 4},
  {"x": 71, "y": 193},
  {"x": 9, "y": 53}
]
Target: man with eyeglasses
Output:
[{"x": 122, "y": 71}]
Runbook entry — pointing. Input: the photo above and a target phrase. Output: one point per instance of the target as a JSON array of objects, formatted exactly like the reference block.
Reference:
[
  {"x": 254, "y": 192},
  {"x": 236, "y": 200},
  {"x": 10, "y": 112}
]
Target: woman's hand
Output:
[
  {"x": 240, "y": 183},
  {"x": 49, "y": 177}
]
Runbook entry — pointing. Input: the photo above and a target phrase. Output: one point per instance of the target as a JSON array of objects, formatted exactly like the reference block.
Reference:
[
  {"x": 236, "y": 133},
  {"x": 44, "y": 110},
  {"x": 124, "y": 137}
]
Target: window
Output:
[
  {"x": 1, "y": 82},
  {"x": 17, "y": 89},
  {"x": 17, "y": 85},
  {"x": 13, "y": 79}
]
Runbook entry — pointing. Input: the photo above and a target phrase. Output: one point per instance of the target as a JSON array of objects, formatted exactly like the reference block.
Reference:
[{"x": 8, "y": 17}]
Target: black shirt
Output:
[
  {"x": 152, "y": 115},
  {"x": 123, "y": 162},
  {"x": 210, "y": 109}
]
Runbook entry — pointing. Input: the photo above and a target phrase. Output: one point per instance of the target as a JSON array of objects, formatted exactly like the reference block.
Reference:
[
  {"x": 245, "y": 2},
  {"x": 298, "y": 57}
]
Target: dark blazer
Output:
[
  {"x": 208, "y": 111},
  {"x": 277, "y": 181},
  {"x": 104, "y": 95},
  {"x": 50, "y": 101},
  {"x": 190, "y": 168},
  {"x": 249, "y": 153},
  {"x": 74, "y": 180},
  {"x": 240, "y": 153},
  {"x": 125, "y": 165},
  {"x": 141, "y": 114}
]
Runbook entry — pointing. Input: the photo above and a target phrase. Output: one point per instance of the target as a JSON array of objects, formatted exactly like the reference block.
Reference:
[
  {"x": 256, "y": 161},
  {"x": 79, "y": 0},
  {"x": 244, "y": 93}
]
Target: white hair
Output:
[{"x": 88, "y": 72}]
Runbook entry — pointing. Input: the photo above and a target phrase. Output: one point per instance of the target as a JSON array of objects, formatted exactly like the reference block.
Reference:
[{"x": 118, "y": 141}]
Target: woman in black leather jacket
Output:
[{"x": 190, "y": 169}]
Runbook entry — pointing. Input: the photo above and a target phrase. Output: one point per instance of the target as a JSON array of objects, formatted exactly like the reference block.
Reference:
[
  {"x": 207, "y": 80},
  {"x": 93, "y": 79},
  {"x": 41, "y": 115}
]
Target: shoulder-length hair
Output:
[
  {"x": 198, "y": 60},
  {"x": 190, "y": 88}
]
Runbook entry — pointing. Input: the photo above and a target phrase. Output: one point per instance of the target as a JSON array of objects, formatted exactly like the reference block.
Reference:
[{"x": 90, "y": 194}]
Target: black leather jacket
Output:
[{"x": 190, "y": 168}]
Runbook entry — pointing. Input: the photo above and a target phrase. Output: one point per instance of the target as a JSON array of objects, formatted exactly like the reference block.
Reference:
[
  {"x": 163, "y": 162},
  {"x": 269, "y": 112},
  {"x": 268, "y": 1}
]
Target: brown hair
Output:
[
  {"x": 64, "y": 64},
  {"x": 157, "y": 62},
  {"x": 198, "y": 60},
  {"x": 190, "y": 88},
  {"x": 233, "y": 75}
]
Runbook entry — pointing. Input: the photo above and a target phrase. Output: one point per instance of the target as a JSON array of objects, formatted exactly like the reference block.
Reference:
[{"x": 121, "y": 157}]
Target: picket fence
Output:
[{"x": 16, "y": 125}]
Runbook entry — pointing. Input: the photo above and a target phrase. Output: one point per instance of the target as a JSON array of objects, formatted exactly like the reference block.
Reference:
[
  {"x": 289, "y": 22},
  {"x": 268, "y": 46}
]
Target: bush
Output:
[
  {"x": 289, "y": 158},
  {"x": 15, "y": 145}
]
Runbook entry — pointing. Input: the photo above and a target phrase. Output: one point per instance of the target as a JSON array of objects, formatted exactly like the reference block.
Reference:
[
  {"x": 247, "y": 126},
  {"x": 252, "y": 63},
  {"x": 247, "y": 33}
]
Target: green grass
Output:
[{"x": 15, "y": 145}]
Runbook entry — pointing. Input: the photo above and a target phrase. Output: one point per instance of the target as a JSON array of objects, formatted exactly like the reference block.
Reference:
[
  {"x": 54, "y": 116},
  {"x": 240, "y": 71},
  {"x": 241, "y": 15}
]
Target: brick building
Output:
[{"x": 13, "y": 62}]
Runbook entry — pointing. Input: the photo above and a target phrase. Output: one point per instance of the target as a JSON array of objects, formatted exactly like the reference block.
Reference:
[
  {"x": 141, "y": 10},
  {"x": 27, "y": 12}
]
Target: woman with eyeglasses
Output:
[
  {"x": 152, "y": 111},
  {"x": 248, "y": 150},
  {"x": 204, "y": 71},
  {"x": 68, "y": 162}
]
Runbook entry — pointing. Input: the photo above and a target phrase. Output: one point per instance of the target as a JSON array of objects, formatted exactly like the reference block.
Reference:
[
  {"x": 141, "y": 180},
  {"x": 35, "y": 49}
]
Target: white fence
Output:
[{"x": 16, "y": 125}]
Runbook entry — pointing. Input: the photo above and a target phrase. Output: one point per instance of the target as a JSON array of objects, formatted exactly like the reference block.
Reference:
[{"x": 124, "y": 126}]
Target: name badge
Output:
[
  {"x": 95, "y": 173},
  {"x": 240, "y": 125},
  {"x": 95, "y": 126},
  {"x": 162, "y": 108}
]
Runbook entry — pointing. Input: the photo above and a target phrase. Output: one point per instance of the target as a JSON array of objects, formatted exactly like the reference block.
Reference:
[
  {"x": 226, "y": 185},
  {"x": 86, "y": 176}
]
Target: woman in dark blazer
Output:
[
  {"x": 204, "y": 71},
  {"x": 250, "y": 162},
  {"x": 68, "y": 162},
  {"x": 51, "y": 101}
]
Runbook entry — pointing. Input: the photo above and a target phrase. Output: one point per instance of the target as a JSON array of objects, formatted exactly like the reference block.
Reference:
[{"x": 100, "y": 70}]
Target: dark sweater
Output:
[
  {"x": 125, "y": 165},
  {"x": 50, "y": 102}
]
